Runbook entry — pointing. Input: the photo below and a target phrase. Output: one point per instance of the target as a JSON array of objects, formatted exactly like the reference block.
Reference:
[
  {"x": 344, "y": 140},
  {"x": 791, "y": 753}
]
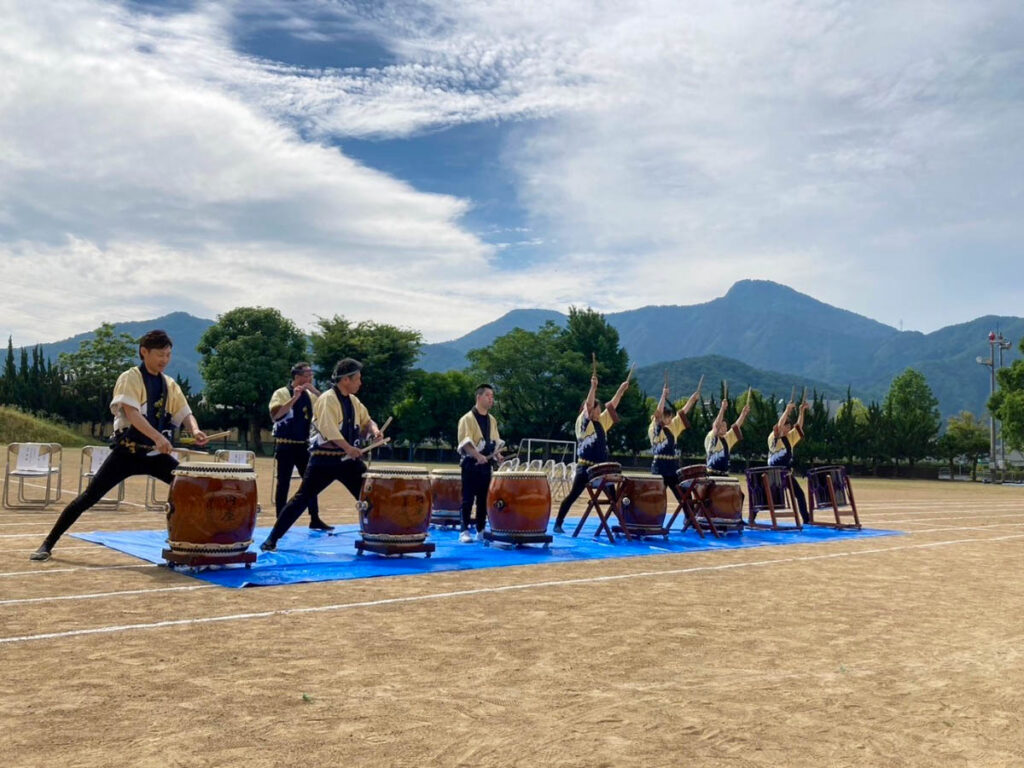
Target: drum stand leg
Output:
[
  {"x": 839, "y": 524},
  {"x": 596, "y": 503}
]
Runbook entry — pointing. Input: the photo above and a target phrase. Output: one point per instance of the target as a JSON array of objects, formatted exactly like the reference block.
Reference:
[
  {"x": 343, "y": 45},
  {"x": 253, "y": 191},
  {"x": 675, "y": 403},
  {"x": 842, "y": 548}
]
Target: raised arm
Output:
[
  {"x": 800, "y": 418},
  {"x": 720, "y": 418},
  {"x": 617, "y": 397},
  {"x": 743, "y": 416},
  {"x": 780, "y": 426},
  {"x": 660, "y": 410},
  {"x": 592, "y": 394},
  {"x": 690, "y": 402}
]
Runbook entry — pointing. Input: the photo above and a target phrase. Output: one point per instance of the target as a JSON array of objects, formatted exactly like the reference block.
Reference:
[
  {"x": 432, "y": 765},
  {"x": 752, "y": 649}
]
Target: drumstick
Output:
[
  {"x": 803, "y": 396},
  {"x": 177, "y": 449},
  {"x": 666, "y": 378},
  {"x": 386, "y": 425},
  {"x": 700, "y": 383},
  {"x": 725, "y": 389},
  {"x": 792, "y": 395},
  {"x": 629, "y": 373},
  {"x": 593, "y": 363},
  {"x": 375, "y": 444},
  {"x": 214, "y": 436}
]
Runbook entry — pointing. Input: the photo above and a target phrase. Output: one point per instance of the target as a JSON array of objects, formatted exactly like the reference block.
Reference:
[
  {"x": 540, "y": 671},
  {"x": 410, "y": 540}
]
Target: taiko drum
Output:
[
  {"x": 445, "y": 496},
  {"x": 519, "y": 503},
  {"x": 642, "y": 503},
  {"x": 394, "y": 505},
  {"x": 212, "y": 509}
]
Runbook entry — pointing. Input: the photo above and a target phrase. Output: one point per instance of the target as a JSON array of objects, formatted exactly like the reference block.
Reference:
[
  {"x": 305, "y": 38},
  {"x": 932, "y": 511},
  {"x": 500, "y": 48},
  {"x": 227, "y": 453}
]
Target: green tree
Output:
[
  {"x": 1007, "y": 404},
  {"x": 590, "y": 335},
  {"x": 246, "y": 355},
  {"x": 964, "y": 438},
  {"x": 875, "y": 434},
  {"x": 387, "y": 353},
  {"x": 432, "y": 405},
  {"x": 914, "y": 413},
  {"x": 848, "y": 427},
  {"x": 91, "y": 372},
  {"x": 9, "y": 381},
  {"x": 536, "y": 381}
]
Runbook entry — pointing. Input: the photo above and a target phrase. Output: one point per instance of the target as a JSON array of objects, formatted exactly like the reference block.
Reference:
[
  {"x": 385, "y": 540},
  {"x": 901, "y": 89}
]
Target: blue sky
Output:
[{"x": 436, "y": 163}]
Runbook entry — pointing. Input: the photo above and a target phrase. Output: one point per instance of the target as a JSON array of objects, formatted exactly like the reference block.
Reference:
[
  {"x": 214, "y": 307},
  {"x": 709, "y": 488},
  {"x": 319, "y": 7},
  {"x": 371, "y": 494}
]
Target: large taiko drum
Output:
[
  {"x": 446, "y": 497},
  {"x": 608, "y": 471},
  {"x": 394, "y": 505},
  {"x": 691, "y": 472},
  {"x": 642, "y": 504},
  {"x": 824, "y": 483},
  {"x": 720, "y": 498},
  {"x": 519, "y": 503},
  {"x": 212, "y": 510}
]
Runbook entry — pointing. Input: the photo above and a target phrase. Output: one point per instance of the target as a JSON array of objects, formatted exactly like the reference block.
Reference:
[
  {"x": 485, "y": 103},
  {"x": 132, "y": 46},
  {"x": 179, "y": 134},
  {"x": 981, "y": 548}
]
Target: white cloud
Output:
[{"x": 862, "y": 153}]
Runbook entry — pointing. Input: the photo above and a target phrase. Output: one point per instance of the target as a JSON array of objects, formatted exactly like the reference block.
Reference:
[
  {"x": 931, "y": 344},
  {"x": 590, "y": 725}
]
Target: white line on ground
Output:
[
  {"x": 483, "y": 591},
  {"x": 94, "y": 595},
  {"x": 44, "y": 571}
]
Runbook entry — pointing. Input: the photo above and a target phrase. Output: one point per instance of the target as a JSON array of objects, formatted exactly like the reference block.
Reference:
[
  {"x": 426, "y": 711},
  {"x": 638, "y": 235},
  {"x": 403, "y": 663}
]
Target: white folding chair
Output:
[
  {"x": 35, "y": 461},
  {"x": 536, "y": 465},
  {"x": 236, "y": 457},
  {"x": 153, "y": 504},
  {"x": 92, "y": 459}
]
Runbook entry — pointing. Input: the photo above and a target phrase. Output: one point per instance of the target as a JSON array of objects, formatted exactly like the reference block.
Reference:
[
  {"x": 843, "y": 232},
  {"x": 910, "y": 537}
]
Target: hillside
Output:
[
  {"x": 18, "y": 427},
  {"x": 183, "y": 328},
  {"x": 683, "y": 376}
]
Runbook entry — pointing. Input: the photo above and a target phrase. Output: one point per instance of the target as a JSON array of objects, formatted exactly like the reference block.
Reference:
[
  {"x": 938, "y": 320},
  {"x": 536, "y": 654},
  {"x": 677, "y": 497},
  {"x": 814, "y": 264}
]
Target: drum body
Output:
[
  {"x": 394, "y": 505},
  {"x": 721, "y": 500},
  {"x": 777, "y": 481},
  {"x": 446, "y": 496},
  {"x": 642, "y": 504},
  {"x": 212, "y": 509},
  {"x": 519, "y": 503},
  {"x": 818, "y": 482}
]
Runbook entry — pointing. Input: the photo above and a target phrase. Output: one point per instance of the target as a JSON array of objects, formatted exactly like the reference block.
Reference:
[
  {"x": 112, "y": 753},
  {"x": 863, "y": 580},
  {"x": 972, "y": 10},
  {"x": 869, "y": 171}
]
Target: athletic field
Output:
[{"x": 894, "y": 651}]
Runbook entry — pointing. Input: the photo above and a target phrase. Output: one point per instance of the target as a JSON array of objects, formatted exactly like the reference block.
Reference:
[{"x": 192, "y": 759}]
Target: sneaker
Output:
[
  {"x": 479, "y": 535},
  {"x": 43, "y": 553},
  {"x": 319, "y": 525},
  {"x": 558, "y": 528},
  {"x": 269, "y": 546},
  {"x": 466, "y": 537}
]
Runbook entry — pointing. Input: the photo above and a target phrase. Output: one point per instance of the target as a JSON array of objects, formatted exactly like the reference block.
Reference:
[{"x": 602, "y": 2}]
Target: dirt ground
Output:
[{"x": 894, "y": 651}]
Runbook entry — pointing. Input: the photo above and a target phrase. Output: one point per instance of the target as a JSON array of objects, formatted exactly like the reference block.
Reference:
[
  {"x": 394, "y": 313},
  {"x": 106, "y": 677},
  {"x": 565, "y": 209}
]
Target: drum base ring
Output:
[
  {"x": 192, "y": 559},
  {"x": 518, "y": 537},
  {"x": 394, "y": 548},
  {"x": 641, "y": 531}
]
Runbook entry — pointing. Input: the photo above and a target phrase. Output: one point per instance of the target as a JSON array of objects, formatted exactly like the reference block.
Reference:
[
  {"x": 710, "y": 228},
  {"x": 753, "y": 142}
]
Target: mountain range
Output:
[
  {"x": 759, "y": 334},
  {"x": 778, "y": 330}
]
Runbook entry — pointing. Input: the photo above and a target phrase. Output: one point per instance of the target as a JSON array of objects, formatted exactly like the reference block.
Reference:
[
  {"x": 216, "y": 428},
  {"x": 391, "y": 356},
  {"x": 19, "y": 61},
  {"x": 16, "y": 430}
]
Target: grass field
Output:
[{"x": 897, "y": 651}]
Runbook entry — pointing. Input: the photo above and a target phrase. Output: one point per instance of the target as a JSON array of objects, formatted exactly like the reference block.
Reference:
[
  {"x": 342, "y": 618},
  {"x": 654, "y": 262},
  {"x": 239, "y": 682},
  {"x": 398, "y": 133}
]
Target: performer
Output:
[
  {"x": 340, "y": 424},
  {"x": 592, "y": 426},
  {"x": 719, "y": 442},
  {"x": 781, "y": 442},
  {"x": 291, "y": 408},
  {"x": 479, "y": 445},
  {"x": 147, "y": 405},
  {"x": 666, "y": 427}
]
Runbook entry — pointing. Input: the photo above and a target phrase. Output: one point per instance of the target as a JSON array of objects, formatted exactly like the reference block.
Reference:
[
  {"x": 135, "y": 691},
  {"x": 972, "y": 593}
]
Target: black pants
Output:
[
  {"x": 120, "y": 465},
  {"x": 579, "y": 484},
  {"x": 476, "y": 480},
  {"x": 289, "y": 456},
  {"x": 671, "y": 482},
  {"x": 801, "y": 500},
  {"x": 318, "y": 476}
]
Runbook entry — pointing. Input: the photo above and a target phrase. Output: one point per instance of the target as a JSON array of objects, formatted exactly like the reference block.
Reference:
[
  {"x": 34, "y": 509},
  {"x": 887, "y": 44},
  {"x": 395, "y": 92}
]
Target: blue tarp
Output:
[{"x": 303, "y": 555}]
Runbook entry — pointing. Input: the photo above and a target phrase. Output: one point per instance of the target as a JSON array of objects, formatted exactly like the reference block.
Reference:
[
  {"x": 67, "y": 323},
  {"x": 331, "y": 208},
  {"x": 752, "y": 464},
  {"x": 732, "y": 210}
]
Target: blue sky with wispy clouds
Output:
[{"x": 435, "y": 163}]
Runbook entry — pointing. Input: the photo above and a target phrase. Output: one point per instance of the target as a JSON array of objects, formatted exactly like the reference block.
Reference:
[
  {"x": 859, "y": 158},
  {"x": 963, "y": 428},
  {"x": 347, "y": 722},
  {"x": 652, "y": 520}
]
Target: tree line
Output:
[{"x": 540, "y": 379}]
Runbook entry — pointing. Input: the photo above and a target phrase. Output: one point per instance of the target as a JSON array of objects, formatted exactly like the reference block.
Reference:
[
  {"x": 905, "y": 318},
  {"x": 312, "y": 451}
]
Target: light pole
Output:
[
  {"x": 1002, "y": 345},
  {"x": 995, "y": 341}
]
